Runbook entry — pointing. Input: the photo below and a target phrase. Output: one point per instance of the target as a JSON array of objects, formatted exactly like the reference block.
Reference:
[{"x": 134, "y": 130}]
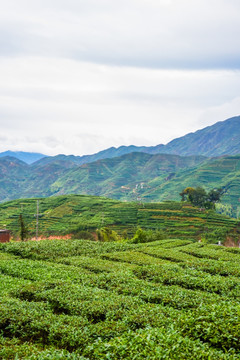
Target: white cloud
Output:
[
  {"x": 169, "y": 34},
  {"x": 77, "y": 107},
  {"x": 79, "y": 76}
]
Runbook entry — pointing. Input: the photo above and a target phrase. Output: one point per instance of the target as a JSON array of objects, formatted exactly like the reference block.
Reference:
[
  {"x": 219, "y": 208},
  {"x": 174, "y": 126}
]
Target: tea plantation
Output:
[
  {"x": 71, "y": 214},
  {"x": 80, "y": 299}
]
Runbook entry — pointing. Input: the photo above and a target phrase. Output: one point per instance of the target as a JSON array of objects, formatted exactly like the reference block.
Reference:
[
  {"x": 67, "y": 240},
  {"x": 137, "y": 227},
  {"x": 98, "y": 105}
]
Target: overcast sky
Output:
[{"x": 79, "y": 76}]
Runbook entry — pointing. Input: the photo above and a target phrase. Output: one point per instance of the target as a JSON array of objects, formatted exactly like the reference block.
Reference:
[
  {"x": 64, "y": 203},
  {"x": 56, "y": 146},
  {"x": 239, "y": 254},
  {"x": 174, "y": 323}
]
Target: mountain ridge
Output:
[
  {"x": 221, "y": 138},
  {"x": 27, "y": 157},
  {"x": 23, "y": 180}
]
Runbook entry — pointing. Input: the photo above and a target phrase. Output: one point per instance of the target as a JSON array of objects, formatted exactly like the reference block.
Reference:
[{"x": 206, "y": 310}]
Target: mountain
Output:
[
  {"x": 222, "y": 138},
  {"x": 27, "y": 157},
  {"x": 14, "y": 173},
  {"x": 105, "y": 154},
  {"x": 107, "y": 177},
  {"x": 120, "y": 177}
]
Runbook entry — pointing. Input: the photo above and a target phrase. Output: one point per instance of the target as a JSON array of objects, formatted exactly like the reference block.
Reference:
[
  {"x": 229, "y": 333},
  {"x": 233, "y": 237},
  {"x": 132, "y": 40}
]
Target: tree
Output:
[
  {"x": 215, "y": 195},
  {"x": 23, "y": 229},
  {"x": 196, "y": 196},
  {"x": 199, "y": 197},
  {"x": 185, "y": 193}
]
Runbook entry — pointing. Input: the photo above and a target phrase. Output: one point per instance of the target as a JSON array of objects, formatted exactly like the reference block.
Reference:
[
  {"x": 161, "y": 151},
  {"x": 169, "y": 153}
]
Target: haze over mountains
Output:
[
  {"x": 222, "y": 138},
  {"x": 27, "y": 157},
  {"x": 130, "y": 173}
]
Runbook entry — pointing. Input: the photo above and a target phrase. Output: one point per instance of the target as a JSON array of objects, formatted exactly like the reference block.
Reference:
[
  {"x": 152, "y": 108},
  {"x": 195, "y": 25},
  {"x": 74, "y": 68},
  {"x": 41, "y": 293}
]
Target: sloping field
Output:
[
  {"x": 75, "y": 299},
  {"x": 72, "y": 213}
]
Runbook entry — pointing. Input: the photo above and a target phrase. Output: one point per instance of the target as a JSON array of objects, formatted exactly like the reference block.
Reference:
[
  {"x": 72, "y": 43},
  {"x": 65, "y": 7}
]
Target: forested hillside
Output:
[
  {"x": 104, "y": 177},
  {"x": 132, "y": 177}
]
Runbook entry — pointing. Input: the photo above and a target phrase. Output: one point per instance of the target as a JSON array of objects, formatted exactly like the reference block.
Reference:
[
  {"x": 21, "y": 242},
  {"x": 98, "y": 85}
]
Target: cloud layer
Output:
[{"x": 79, "y": 76}]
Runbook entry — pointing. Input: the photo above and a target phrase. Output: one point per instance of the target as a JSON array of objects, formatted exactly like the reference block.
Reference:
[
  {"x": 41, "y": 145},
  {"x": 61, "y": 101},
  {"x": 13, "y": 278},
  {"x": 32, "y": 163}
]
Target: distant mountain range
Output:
[
  {"x": 222, "y": 138},
  {"x": 134, "y": 173},
  {"x": 27, "y": 157}
]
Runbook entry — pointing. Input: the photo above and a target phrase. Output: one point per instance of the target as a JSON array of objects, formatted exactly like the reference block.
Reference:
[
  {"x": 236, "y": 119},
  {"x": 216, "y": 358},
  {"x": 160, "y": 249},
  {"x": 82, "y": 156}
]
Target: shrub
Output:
[
  {"x": 144, "y": 236},
  {"x": 106, "y": 234}
]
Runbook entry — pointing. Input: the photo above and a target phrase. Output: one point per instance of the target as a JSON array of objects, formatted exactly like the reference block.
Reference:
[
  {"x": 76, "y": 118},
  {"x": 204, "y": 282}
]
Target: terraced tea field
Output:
[
  {"x": 77, "y": 299},
  {"x": 73, "y": 213}
]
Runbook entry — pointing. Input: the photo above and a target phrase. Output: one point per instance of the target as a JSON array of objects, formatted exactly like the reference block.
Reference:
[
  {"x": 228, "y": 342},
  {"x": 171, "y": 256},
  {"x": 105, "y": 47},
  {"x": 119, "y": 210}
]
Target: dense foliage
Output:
[
  {"x": 201, "y": 198},
  {"x": 79, "y": 299}
]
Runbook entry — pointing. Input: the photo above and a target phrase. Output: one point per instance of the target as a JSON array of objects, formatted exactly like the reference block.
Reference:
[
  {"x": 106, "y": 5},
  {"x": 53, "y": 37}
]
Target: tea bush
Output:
[{"x": 79, "y": 299}]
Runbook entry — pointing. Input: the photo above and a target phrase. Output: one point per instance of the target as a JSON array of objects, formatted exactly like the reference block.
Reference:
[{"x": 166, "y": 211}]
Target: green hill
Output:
[
  {"x": 73, "y": 213},
  {"x": 104, "y": 177},
  {"x": 14, "y": 174},
  {"x": 220, "y": 172},
  {"x": 122, "y": 177}
]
